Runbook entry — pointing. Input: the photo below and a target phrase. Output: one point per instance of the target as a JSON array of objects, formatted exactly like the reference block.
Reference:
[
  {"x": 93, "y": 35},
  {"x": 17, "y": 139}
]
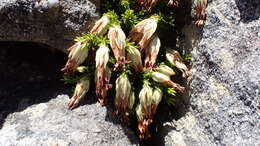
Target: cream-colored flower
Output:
[
  {"x": 139, "y": 113},
  {"x": 151, "y": 52},
  {"x": 200, "y": 7},
  {"x": 174, "y": 3},
  {"x": 165, "y": 80},
  {"x": 123, "y": 93},
  {"x": 101, "y": 26},
  {"x": 131, "y": 100},
  {"x": 117, "y": 40},
  {"x": 78, "y": 54},
  {"x": 156, "y": 99},
  {"x": 142, "y": 32},
  {"x": 102, "y": 56},
  {"x": 144, "y": 110},
  {"x": 157, "y": 96},
  {"x": 81, "y": 89},
  {"x": 164, "y": 69},
  {"x": 102, "y": 73},
  {"x": 134, "y": 56},
  {"x": 175, "y": 59},
  {"x": 145, "y": 95}
]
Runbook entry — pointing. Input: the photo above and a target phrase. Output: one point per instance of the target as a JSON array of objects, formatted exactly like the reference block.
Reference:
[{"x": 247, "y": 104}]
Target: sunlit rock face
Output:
[
  {"x": 224, "y": 99},
  {"x": 52, "y": 22}
]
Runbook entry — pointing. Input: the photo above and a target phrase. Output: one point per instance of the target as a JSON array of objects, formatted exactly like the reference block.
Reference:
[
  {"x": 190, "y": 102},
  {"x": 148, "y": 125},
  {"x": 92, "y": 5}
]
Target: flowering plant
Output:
[{"x": 130, "y": 58}]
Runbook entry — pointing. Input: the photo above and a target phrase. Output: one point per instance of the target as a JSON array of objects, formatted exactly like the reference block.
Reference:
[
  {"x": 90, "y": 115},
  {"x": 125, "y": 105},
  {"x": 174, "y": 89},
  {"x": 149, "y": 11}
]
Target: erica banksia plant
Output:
[{"x": 125, "y": 58}]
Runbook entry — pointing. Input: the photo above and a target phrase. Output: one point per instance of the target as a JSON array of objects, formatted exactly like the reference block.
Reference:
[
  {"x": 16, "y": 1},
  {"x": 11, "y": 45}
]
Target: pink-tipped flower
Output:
[
  {"x": 101, "y": 26},
  {"x": 144, "y": 110},
  {"x": 102, "y": 76},
  {"x": 134, "y": 56},
  {"x": 117, "y": 40},
  {"x": 165, "y": 80},
  {"x": 142, "y": 122},
  {"x": 151, "y": 53},
  {"x": 200, "y": 7},
  {"x": 175, "y": 59},
  {"x": 164, "y": 69},
  {"x": 81, "y": 89},
  {"x": 174, "y": 3},
  {"x": 142, "y": 32},
  {"x": 78, "y": 54},
  {"x": 147, "y": 4},
  {"x": 123, "y": 94}
]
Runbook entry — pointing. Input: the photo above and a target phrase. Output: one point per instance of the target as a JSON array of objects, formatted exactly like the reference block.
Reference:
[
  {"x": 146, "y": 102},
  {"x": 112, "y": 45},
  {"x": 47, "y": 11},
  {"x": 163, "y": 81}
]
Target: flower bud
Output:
[
  {"x": 165, "y": 80},
  {"x": 200, "y": 7},
  {"x": 134, "y": 56},
  {"x": 131, "y": 100},
  {"x": 151, "y": 52},
  {"x": 81, "y": 89},
  {"x": 139, "y": 113},
  {"x": 78, "y": 54},
  {"x": 164, "y": 69},
  {"x": 123, "y": 87},
  {"x": 173, "y": 3},
  {"x": 142, "y": 32},
  {"x": 175, "y": 59},
  {"x": 145, "y": 95},
  {"x": 102, "y": 73},
  {"x": 117, "y": 39},
  {"x": 157, "y": 96},
  {"x": 102, "y": 56},
  {"x": 159, "y": 77},
  {"x": 123, "y": 99},
  {"x": 101, "y": 26}
]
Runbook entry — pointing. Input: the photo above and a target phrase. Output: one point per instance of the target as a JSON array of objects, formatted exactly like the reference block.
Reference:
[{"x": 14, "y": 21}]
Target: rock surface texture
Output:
[
  {"x": 225, "y": 89},
  {"x": 33, "y": 104},
  {"x": 52, "y": 22}
]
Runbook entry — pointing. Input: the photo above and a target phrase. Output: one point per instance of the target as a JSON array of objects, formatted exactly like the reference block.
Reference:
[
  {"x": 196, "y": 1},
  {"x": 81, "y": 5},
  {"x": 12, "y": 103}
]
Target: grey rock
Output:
[
  {"x": 33, "y": 104},
  {"x": 51, "y": 123},
  {"x": 224, "y": 100},
  {"x": 51, "y": 22}
]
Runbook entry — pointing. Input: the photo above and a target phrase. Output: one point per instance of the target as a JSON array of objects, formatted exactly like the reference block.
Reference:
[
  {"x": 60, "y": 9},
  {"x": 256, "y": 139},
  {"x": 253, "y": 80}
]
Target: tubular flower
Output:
[
  {"x": 101, "y": 26},
  {"x": 81, "y": 89},
  {"x": 78, "y": 54},
  {"x": 123, "y": 94},
  {"x": 145, "y": 109},
  {"x": 156, "y": 99},
  {"x": 164, "y": 79},
  {"x": 174, "y": 3},
  {"x": 200, "y": 7},
  {"x": 131, "y": 100},
  {"x": 175, "y": 59},
  {"x": 117, "y": 42},
  {"x": 142, "y": 123},
  {"x": 102, "y": 74},
  {"x": 147, "y": 4},
  {"x": 134, "y": 56},
  {"x": 143, "y": 31},
  {"x": 164, "y": 69},
  {"x": 151, "y": 52}
]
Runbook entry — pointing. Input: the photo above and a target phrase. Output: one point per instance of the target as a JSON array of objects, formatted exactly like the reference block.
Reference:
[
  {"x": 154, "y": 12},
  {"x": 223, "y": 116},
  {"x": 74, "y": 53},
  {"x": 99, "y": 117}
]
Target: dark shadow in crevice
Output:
[
  {"x": 28, "y": 70},
  {"x": 249, "y": 10}
]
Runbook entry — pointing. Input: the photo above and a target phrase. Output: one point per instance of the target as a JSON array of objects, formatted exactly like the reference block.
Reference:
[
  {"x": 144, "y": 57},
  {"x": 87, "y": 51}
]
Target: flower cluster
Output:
[{"x": 131, "y": 62}]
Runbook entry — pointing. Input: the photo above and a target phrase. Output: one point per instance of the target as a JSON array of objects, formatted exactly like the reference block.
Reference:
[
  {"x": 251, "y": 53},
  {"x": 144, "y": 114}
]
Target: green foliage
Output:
[{"x": 125, "y": 14}]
